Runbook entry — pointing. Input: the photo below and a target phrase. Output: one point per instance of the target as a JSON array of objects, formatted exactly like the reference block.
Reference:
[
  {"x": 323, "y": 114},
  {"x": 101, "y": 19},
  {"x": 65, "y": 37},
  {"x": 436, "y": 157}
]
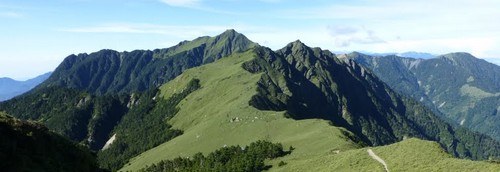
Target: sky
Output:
[{"x": 35, "y": 35}]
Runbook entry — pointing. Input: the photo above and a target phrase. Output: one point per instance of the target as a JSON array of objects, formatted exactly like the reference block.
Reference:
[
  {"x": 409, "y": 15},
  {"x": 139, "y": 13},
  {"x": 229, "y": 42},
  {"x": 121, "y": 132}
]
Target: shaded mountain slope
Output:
[
  {"x": 77, "y": 115},
  {"x": 137, "y": 121},
  {"x": 312, "y": 83},
  {"x": 299, "y": 96},
  {"x": 219, "y": 114},
  {"x": 10, "y": 88},
  {"x": 465, "y": 89},
  {"x": 223, "y": 108},
  {"x": 109, "y": 71},
  {"x": 29, "y": 146}
]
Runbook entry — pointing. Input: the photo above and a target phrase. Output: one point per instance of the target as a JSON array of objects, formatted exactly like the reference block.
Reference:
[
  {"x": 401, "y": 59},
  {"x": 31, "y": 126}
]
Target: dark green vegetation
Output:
[
  {"x": 29, "y": 146},
  {"x": 465, "y": 89},
  {"x": 231, "y": 158},
  {"x": 10, "y": 88},
  {"x": 75, "y": 114},
  {"x": 109, "y": 71},
  {"x": 144, "y": 127},
  {"x": 139, "y": 121},
  {"x": 312, "y": 83},
  {"x": 110, "y": 101}
]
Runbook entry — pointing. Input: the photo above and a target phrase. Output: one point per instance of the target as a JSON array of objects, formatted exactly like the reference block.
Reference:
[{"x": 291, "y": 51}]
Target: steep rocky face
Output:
[
  {"x": 109, "y": 71},
  {"x": 465, "y": 89},
  {"x": 313, "y": 83}
]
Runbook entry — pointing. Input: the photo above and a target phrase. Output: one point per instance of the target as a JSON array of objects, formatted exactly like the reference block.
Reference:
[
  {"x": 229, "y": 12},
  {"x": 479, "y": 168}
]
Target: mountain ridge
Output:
[
  {"x": 230, "y": 117},
  {"x": 223, "y": 89},
  {"x": 465, "y": 89},
  {"x": 109, "y": 71}
]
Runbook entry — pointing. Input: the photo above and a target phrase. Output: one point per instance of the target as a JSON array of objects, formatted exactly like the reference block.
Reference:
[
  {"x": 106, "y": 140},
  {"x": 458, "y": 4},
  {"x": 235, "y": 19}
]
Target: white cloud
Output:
[
  {"x": 183, "y": 3},
  {"x": 344, "y": 36},
  {"x": 176, "y": 31},
  {"x": 437, "y": 27},
  {"x": 144, "y": 28}
]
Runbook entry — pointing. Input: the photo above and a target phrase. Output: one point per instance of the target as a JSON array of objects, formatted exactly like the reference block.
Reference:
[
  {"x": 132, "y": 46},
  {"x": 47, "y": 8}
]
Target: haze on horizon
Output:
[{"x": 38, "y": 35}]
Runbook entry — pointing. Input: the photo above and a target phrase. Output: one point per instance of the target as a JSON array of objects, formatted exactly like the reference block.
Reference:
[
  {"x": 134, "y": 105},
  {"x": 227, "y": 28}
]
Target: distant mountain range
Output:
[
  {"x": 464, "y": 88},
  {"x": 410, "y": 54},
  {"x": 140, "y": 108},
  {"x": 417, "y": 55},
  {"x": 10, "y": 88}
]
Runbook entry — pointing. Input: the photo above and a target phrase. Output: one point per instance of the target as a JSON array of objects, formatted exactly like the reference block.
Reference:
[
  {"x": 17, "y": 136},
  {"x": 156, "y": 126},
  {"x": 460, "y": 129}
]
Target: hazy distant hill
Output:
[
  {"x": 417, "y": 55},
  {"x": 464, "y": 88},
  {"x": 10, "y": 88},
  {"x": 410, "y": 54},
  {"x": 234, "y": 93}
]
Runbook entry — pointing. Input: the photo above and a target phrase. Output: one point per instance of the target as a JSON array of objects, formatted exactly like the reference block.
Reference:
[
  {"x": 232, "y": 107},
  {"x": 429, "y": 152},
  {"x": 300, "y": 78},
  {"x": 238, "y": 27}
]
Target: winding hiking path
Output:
[{"x": 375, "y": 157}]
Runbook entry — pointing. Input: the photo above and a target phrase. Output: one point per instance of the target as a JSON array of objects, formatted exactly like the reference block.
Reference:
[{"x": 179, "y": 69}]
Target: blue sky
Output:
[{"x": 35, "y": 36}]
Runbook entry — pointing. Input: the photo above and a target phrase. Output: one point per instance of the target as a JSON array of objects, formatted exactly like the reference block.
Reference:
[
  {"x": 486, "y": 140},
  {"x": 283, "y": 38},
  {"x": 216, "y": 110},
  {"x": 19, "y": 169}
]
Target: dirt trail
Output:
[{"x": 375, "y": 157}]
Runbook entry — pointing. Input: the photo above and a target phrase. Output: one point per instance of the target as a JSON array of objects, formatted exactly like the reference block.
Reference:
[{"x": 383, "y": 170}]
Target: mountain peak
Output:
[
  {"x": 230, "y": 33},
  {"x": 298, "y": 43},
  {"x": 295, "y": 46},
  {"x": 458, "y": 57}
]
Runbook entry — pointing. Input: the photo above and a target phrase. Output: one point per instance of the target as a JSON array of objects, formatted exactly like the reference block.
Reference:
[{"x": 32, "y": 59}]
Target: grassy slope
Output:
[
  {"x": 421, "y": 155},
  {"x": 408, "y": 155},
  {"x": 205, "y": 117}
]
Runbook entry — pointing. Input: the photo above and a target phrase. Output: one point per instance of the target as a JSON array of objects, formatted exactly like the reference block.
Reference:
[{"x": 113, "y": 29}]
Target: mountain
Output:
[
  {"x": 333, "y": 107},
  {"x": 305, "y": 98},
  {"x": 408, "y": 155},
  {"x": 29, "y": 146},
  {"x": 409, "y": 54},
  {"x": 416, "y": 55},
  {"x": 109, "y": 71},
  {"x": 90, "y": 97},
  {"x": 465, "y": 89},
  {"x": 10, "y": 88}
]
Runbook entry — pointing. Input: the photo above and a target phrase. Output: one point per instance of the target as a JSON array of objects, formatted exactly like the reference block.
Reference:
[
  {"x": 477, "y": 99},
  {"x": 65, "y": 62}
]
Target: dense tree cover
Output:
[
  {"x": 29, "y": 146},
  {"x": 138, "y": 120},
  {"x": 83, "y": 101},
  {"x": 312, "y": 83},
  {"x": 110, "y": 72},
  {"x": 144, "y": 127},
  {"x": 231, "y": 158},
  {"x": 78, "y": 115}
]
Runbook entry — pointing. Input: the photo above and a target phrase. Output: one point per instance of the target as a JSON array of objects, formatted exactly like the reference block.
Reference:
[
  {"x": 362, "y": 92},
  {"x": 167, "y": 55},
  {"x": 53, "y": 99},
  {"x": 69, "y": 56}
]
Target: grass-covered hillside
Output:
[
  {"x": 304, "y": 98},
  {"x": 408, "y": 155},
  {"x": 220, "y": 114}
]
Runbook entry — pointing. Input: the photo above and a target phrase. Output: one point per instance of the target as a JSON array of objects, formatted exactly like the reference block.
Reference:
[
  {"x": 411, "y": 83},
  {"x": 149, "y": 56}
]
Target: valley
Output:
[{"x": 136, "y": 109}]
